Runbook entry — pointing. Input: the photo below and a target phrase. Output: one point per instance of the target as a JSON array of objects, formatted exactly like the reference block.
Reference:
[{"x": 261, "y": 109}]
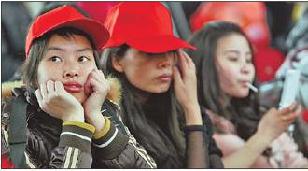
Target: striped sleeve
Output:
[
  {"x": 115, "y": 147},
  {"x": 131, "y": 154},
  {"x": 109, "y": 141},
  {"x": 74, "y": 150},
  {"x": 141, "y": 151},
  {"x": 77, "y": 135}
]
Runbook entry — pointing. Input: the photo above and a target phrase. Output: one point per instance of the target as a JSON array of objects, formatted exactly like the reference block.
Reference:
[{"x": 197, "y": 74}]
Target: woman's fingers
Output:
[
  {"x": 183, "y": 64},
  {"x": 38, "y": 96},
  {"x": 50, "y": 87},
  {"x": 186, "y": 65},
  {"x": 288, "y": 114},
  {"x": 293, "y": 107},
  {"x": 177, "y": 76},
  {"x": 186, "y": 56},
  {"x": 286, "y": 110},
  {"x": 96, "y": 82},
  {"x": 59, "y": 88},
  {"x": 43, "y": 90},
  {"x": 188, "y": 60},
  {"x": 98, "y": 75},
  {"x": 99, "y": 86}
]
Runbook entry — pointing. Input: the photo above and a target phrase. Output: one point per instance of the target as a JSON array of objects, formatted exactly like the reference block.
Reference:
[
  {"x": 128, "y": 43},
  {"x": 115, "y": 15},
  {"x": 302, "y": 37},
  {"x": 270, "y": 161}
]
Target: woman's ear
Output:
[{"x": 116, "y": 64}]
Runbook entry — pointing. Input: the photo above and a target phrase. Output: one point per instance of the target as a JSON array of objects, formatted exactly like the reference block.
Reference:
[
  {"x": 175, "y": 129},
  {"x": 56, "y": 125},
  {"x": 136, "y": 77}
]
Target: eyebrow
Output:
[
  {"x": 237, "y": 52},
  {"x": 59, "y": 49},
  {"x": 231, "y": 51}
]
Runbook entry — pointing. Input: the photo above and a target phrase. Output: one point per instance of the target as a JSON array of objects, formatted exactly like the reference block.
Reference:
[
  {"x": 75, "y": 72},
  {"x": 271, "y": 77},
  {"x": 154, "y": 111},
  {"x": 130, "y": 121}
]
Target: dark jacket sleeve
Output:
[
  {"x": 73, "y": 150},
  {"x": 116, "y": 147}
]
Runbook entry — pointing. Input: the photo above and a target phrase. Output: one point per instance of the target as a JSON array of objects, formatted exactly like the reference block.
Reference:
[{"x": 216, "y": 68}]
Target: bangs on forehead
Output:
[{"x": 69, "y": 32}]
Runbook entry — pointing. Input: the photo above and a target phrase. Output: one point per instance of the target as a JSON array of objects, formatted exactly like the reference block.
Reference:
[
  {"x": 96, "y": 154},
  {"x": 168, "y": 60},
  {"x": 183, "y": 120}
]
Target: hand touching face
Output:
[
  {"x": 70, "y": 85},
  {"x": 54, "y": 100},
  {"x": 69, "y": 60},
  {"x": 96, "y": 88}
]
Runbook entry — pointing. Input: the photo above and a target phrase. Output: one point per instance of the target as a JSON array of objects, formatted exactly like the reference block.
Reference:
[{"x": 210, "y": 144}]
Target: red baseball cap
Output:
[
  {"x": 145, "y": 26},
  {"x": 66, "y": 16}
]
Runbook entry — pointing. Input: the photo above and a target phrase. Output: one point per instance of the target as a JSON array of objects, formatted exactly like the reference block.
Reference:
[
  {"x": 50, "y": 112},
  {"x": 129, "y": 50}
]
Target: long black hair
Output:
[
  {"x": 243, "y": 112},
  {"x": 154, "y": 123}
]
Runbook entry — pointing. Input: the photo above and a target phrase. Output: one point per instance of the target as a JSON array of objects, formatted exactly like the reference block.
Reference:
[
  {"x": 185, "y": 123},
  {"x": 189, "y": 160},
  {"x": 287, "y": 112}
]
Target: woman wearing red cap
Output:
[
  {"x": 159, "y": 100},
  {"x": 72, "y": 121},
  {"x": 225, "y": 73}
]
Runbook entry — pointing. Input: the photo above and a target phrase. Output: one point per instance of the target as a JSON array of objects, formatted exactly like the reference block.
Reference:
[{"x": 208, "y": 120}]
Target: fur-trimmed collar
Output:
[{"x": 113, "y": 95}]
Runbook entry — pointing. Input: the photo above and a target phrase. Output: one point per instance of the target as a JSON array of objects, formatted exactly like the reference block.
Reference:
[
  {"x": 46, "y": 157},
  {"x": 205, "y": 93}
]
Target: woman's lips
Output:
[
  {"x": 165, "y": 77},
  {"x": 72, "y": 87},
  {"x": 244, "y": 83}
]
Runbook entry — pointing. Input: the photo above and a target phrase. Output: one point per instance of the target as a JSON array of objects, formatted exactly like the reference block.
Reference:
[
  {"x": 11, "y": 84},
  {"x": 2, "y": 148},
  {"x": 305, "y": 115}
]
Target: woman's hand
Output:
[
  {"x": 185, "y": 85},
  {"x": 275, "y": 122},
  {"x": 96, "y": 87},
  {"x": 290, "y": 156},
  {"x": 55, "y": 101}
]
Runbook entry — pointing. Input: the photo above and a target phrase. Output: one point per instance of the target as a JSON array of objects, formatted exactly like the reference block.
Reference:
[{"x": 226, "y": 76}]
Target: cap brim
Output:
[
  {"x": 157, "y": 44},
  {"x": 97, "y": 31},
  {"x": 93, "y": 28}
]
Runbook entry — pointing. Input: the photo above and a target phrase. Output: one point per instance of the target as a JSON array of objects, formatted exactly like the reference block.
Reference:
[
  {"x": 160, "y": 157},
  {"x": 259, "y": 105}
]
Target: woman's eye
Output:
[
  {"x": 249, "y": 61},
  {"x": 153, "y": 54},
  {"x": 233, "y": 59},
  {"x": 55, "y": 59},
  {"x": 83, "y": 59}
]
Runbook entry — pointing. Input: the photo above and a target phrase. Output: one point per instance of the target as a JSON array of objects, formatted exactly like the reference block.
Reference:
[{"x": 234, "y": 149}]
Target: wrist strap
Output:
[{"x": 191, "y": 128}]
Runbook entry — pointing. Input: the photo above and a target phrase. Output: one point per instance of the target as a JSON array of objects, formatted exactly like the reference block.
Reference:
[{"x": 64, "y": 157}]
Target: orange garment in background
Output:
[{"x": 251, "y": 17}]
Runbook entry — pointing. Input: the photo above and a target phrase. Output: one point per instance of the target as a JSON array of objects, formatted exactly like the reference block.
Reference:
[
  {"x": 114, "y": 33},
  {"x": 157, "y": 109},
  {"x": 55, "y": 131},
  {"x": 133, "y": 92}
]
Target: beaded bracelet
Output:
[{"x": 191, "y": 128}]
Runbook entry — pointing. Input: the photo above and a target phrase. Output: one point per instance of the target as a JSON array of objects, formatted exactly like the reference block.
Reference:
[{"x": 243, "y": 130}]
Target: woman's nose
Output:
[
  {"x": 245, "y": 68},
  {"x": 71, "y": 70},
  {"x": 71, "y": 74},
  {"x": 166, "y": 61}
]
